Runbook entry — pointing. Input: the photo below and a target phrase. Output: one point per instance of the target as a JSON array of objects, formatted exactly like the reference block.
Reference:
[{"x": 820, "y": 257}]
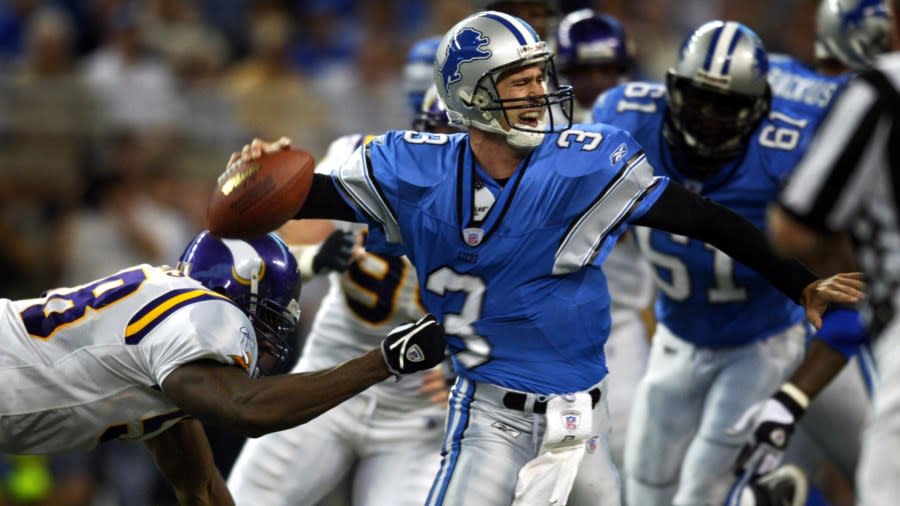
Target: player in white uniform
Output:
[
  {"x": 390, "y": 436},
  {"x": 593, "y": 55},
  {"x": 139, "y": 353}
]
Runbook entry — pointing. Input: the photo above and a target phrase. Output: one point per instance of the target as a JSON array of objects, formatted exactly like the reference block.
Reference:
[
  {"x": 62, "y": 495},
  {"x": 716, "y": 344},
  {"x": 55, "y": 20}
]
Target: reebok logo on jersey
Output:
[
  {"x": 414, "y": 354},
  {"x": 618, "y": 154}
]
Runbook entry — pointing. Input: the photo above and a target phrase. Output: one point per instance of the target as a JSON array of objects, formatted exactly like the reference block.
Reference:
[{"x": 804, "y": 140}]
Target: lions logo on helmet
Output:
[
  {"x": 466, "y": 46},
  {"x": 471, "y": 59},
  {"x": 853, "y": 32},
  {"x": 717, "y": 91}
]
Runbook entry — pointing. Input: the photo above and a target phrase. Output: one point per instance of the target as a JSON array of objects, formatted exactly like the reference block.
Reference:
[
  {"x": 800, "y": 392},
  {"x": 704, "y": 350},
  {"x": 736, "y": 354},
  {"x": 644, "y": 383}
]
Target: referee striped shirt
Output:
[{"x": 849, "y": 180}]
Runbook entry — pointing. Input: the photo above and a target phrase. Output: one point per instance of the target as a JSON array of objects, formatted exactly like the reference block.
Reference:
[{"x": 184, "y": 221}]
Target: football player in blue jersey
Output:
[
  {"x": 593, "y": 55},
  {"x": 519, "y": 285},
  {"x": 726, "y": 338},
  {"x": 381, "y": 447}
]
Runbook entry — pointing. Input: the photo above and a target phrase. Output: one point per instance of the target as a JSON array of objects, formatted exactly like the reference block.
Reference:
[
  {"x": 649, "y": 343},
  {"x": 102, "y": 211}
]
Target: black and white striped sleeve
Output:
[{"x": 841, "y": 167}]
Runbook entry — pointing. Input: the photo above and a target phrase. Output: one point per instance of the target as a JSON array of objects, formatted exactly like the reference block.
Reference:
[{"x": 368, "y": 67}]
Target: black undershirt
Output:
[{"x": 677, "y": 210}]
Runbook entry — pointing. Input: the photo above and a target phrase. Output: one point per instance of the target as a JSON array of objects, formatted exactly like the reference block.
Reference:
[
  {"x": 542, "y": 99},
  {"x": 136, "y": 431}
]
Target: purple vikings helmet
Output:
[
  {"x": 433, "y": 114},
  {"x": 853, "y": 32},
  {"x": 261, "y": 277},
  {"x": 717, "y": 91},
  {"x": 592, "y": 54},
  {"x": 585, "y": 37}
]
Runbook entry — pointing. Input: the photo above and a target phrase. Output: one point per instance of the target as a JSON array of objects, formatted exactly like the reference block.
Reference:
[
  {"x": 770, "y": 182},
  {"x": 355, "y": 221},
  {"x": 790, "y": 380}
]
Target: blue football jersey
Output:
[
  {"x": 801, "y": 88},
  {"x": 705, "y": 296},
  {"x": 521, "y": 293}
]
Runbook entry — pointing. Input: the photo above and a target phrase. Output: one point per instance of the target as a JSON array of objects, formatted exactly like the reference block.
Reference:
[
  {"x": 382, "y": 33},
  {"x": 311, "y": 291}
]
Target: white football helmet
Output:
[{"x": 470, "y": 60}]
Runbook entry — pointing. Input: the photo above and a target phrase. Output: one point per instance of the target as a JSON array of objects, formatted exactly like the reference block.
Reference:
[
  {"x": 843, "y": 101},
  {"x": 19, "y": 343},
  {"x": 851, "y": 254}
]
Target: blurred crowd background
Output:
[{"x": 117, "y": 115}]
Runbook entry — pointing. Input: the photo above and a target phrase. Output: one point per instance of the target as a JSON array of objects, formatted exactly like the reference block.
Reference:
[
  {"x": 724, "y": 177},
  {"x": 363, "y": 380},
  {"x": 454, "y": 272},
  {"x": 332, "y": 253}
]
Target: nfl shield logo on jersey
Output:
[
  {"x": 570, "y": 419},
  {"x": 473, "y": 236}
]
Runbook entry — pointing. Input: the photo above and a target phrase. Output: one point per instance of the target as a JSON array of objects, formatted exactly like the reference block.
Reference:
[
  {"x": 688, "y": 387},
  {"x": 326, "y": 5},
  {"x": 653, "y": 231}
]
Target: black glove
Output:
[
  {"x": 335, "y": 252},
  {"x": 414, "y": 347},
  {"x": 773, "y": 420}
]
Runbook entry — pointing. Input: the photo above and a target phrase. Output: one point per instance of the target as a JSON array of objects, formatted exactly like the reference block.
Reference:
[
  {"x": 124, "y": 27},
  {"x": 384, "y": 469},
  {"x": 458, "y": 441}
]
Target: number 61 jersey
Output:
[
  {"x": 514, "y": 277},
  {"x": 83, "y": 365},
  {"x": 706, "y": 297}
]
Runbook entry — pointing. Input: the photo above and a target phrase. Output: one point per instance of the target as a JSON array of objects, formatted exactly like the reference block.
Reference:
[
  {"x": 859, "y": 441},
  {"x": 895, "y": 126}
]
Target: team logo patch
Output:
[
  {"x": 570, "y": 419},
  {"x": 591, "y": 444},
  {"x": 414, "y": 354},
  {"x": 618, "y": 154},
  {"x": 464, "y": 47}
]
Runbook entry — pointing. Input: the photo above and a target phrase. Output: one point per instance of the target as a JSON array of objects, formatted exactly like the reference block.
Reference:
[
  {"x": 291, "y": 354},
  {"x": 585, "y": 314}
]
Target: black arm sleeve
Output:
[
  {"x": 324, "y": 201},
  {"x": 683, "y": 212}
]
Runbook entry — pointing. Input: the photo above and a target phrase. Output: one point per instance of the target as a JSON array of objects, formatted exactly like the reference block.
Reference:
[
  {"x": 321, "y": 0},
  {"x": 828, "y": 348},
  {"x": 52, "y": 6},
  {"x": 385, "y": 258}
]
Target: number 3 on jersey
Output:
[{"x": 446, "y": 280}]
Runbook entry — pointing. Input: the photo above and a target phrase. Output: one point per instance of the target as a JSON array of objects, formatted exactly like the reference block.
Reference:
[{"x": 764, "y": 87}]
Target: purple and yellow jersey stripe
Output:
[{"x": 160, "y": 308}]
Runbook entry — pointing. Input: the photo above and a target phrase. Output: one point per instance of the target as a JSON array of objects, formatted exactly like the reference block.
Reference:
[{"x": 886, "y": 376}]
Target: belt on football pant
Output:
[{"x": 519, "y": 401}]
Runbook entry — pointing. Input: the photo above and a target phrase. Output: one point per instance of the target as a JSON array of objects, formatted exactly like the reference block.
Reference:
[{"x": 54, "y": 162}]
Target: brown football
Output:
[{"x": 258, "y": 196}]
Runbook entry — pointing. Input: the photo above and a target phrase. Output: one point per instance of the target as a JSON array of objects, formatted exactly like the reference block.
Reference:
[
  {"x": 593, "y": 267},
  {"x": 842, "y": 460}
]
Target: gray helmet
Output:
[
  {"x": 852, "y": 32},
  {"x": 717, "y": 91},
  {"x": 470, "y": 60}
]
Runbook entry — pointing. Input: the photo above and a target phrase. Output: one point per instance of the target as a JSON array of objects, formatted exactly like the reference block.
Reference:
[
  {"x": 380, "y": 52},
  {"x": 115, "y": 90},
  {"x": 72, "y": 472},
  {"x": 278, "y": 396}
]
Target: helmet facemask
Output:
[
  {"x": 275, "y": 325},
  {"x": 553, "y": 108},
  {"x": 717, "y": 93},
  {"x": 709, "y": 123}
]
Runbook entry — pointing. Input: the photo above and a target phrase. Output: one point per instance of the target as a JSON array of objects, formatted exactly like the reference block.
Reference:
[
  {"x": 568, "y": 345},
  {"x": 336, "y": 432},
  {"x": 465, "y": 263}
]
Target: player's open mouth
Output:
[{"x": 531, "y": 118}]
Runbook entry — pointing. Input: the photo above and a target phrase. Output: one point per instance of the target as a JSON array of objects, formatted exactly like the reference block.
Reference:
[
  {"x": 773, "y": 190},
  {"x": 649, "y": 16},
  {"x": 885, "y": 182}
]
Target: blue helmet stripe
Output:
[
  {"x": 505, "y": 22},
  {"x": 712, "y": 48},
  {"x": 734, "y": 43},
  {"x": 531, "y": 31}
]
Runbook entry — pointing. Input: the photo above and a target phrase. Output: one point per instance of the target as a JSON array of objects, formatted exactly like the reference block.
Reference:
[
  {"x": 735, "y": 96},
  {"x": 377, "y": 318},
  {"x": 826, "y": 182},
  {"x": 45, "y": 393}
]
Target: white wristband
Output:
[
  {"x": 305, "y": 254},
  {"x": 795, "y": 393}
]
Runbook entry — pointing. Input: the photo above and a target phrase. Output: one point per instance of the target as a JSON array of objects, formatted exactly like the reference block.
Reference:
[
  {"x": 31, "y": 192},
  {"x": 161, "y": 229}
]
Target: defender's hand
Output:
[
  {"x": 335, "y": 253},
  {"x": 414, "y": 347},
  {"x": 844, "y": 288},
  {"x": 773, "y": 421}
]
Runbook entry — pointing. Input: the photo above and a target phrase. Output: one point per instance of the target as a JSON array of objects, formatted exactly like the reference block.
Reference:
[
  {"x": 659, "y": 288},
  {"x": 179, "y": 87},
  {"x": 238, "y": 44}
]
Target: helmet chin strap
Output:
[{"x": 518, "y": 139}]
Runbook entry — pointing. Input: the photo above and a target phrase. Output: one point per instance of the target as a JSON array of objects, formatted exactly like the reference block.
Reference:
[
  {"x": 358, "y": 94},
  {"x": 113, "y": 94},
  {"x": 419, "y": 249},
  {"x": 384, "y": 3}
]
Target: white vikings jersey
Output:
[
  {"x": 374, "y": 295},
  {"x": 83, "y": 365}
]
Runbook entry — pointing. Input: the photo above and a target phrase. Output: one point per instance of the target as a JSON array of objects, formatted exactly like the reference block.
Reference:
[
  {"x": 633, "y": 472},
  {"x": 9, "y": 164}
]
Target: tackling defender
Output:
[
  {"x": 521, "y": 290},
  {"x": 138, "y": 354}
]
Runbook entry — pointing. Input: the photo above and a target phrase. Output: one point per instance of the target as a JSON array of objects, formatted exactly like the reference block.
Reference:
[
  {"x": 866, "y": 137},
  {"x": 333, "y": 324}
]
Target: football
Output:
[{"x": 258, "y": 196}]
